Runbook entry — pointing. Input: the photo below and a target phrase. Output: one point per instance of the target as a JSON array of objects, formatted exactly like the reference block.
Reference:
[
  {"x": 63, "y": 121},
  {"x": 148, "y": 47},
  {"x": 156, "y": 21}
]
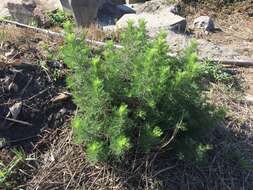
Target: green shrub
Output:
[
  {"x": 58, "y": 17},
  {"x": 137, "y": 97}
]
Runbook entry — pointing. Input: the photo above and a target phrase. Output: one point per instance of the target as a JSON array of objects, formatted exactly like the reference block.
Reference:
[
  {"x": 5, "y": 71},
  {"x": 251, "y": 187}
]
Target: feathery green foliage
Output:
[{"x": 137, "y": 97}]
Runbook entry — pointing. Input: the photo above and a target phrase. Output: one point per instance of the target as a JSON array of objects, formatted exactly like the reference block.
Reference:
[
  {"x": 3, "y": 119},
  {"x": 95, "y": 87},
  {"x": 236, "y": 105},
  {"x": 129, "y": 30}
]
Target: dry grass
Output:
[
  {"x": 229, "y": 165},
  {"x": 94, "y": 32},
  {"x": 63, "y": 167},
  {"x": 8, "y": 33}
]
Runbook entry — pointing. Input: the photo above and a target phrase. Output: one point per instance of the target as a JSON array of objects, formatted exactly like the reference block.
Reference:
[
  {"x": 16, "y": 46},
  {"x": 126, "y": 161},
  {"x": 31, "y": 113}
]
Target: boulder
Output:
[
  {"x": 88, "y": 11},
  {"x": 66, "y": 5},
  {"x": 22, "y": 10},
  {"x": 153, "y": 6},
  {"x": 49, "y": 5},
  {"x": 85, "y": 11},
  {"x": 205, "y": 23},
  {"x": 162, "y": 20},
  {"x": 109, "y": 13},
  {"x": 14, "y": 5}
]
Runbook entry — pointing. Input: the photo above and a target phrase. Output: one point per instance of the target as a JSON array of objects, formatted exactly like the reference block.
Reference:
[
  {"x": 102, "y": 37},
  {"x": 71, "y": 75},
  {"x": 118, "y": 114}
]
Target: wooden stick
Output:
[
  {"x": 48, "y": 32},
  {"x": 239, "y": 63},
  {"x": 51, "y": 33},
  {"x": 19, "y": 121}
]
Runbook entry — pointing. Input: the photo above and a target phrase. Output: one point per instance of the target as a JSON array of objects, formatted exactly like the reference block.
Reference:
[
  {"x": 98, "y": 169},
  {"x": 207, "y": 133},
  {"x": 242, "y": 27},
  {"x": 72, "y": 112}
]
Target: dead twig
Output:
[
  {"x": 164, "y": 170},
  {"x": 41, "y": 92},
  {"x": 53, "y": 34},
  {"x": 238, "y": 63},
  {"x": 18, "y": 121},
  {"x": 26, "y": 86},
  {"x": 23, "y": 139},
  {"x": 48, "y": 32}
]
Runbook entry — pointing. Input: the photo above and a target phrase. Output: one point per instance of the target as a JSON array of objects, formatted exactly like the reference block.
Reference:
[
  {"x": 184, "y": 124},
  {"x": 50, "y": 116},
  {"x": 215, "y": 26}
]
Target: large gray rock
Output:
[
  {"x": 85, "y": 11},
  {"x": 110, "y": 12},
  {"x": 66, "y": 5},
  {"x": 104, "y": 12},
  {"x": 204, "y": 22},
  {"x": 162, "y": 20},
  {"x": 22, "y": 10},
  {"x": 44, "y": 5}
]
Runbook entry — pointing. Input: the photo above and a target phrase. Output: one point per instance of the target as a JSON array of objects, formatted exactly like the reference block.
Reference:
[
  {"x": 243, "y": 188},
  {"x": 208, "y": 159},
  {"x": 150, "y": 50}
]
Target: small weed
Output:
[
  {"x": 59, "y": 17},
  {"x": 33, "y": 22},
  {"x": 6, "y": 170}
]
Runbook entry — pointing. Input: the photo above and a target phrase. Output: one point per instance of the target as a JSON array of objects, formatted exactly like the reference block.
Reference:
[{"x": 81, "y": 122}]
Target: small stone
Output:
[
  {"x": 249, "y": 99},
  {"x": 204, "y": 22}
]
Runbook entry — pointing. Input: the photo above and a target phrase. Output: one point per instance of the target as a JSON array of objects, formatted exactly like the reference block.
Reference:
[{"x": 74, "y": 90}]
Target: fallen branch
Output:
[
  {"x": 40, "y": 93},
  {"x": 19, "y": 121},
  {"x": 51, "y": 33},
  {"x": 48, "y": 32},
  {"x": 239, "y": 63}
]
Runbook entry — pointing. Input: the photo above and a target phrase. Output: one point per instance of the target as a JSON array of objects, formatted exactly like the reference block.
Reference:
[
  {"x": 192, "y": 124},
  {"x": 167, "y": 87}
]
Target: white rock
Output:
[
  {"x": 204, "y": 22},
  {"x": 109, "y": 28},
  {"x": 249, "y": 99},
  {"x": 162, "y": 20}
]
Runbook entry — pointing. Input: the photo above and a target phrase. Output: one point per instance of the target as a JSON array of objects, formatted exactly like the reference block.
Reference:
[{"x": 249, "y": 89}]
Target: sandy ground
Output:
[{"x": 233, "y": 38}]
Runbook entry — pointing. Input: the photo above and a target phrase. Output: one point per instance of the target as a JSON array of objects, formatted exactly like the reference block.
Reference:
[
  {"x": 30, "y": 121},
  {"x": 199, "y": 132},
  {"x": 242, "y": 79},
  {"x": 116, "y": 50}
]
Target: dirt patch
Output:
[
  {"x": 35, "y": 85},
  {"x": 234, "y": 25}
]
